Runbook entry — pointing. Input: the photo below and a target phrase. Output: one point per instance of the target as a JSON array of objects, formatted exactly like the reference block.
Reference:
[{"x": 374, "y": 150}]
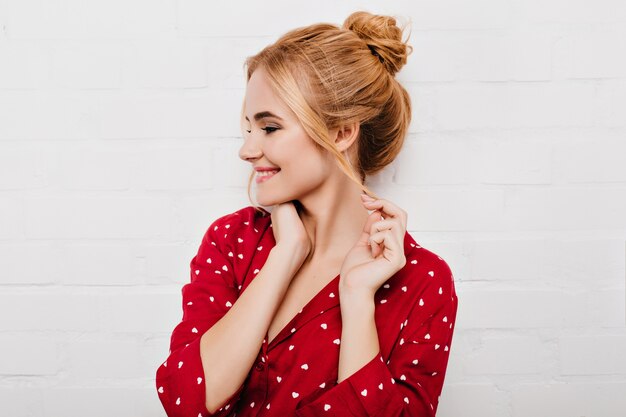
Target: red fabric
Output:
[{"x": 296, "y": 374}]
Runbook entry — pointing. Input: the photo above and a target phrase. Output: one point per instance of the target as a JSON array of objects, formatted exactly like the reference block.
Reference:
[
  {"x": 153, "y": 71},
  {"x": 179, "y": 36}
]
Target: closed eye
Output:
[{"x": 268, "y": 129}]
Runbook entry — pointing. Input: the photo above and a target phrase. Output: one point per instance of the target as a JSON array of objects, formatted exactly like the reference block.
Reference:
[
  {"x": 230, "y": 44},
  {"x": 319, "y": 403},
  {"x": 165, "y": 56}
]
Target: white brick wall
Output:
[{"x": 118, "y": 146}]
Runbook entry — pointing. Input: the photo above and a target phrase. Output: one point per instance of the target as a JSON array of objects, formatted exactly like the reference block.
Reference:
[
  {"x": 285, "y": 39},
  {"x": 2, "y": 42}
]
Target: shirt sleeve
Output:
[
  {"x": 410, "y": 383},
  {"x": 206, "y": 298}
]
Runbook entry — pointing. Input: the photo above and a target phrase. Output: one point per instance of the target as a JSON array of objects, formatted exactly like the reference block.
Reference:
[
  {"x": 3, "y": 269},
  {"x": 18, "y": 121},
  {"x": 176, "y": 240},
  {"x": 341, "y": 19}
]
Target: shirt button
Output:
[{"x": 259, "y": 366}]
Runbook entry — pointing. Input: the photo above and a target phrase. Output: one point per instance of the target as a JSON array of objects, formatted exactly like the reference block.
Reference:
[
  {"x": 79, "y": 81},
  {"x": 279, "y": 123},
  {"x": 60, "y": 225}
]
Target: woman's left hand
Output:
[{"x": 379, "y": 252}]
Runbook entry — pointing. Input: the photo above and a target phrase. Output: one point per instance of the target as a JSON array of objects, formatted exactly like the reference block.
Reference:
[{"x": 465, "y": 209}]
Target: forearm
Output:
[
  {"x": 359, "y": 336},
  {"x": 228, "y": 349}
]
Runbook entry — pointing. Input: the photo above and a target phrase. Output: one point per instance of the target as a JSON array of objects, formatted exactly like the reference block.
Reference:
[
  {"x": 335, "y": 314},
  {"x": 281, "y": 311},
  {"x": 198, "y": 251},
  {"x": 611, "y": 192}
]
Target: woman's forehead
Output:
[{"x": 257, "y": 106}]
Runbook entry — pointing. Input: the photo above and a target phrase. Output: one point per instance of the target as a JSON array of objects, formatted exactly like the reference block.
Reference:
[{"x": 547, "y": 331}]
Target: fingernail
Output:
[{"x": 367, "y": 197}]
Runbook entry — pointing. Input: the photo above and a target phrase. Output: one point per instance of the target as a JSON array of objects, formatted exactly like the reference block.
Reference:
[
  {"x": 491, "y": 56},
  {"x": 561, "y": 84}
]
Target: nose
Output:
[{"x": 250, "y": 150}]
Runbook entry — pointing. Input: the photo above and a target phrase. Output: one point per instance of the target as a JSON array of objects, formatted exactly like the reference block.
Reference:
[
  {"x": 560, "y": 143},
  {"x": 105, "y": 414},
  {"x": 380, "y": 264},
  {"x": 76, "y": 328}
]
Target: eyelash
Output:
[{"x": 267, "y": 129}]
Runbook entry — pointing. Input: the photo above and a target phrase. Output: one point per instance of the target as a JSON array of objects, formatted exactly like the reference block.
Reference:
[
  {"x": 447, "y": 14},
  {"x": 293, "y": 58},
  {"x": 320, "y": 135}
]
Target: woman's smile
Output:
[{"x": 262, "y": 176}]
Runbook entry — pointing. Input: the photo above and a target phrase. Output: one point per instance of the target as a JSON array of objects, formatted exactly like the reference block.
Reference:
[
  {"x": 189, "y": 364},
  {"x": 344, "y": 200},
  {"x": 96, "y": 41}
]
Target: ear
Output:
[{"x": 345, "y": 135}]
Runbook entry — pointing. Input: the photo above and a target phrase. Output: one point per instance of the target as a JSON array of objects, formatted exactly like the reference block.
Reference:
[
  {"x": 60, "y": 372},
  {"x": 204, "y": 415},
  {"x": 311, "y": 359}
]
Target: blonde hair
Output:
[{"x": 329, "y": 75}]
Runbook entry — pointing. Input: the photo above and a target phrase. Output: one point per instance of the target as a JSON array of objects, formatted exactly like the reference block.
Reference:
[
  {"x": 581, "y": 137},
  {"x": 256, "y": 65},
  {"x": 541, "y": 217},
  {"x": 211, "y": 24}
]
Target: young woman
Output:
[{"x": 325, "y": 305}]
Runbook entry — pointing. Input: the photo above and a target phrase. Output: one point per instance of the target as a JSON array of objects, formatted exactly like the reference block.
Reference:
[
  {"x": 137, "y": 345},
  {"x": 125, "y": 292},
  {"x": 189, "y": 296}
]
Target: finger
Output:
[
  {"x": 388, "y": 208},
  {"x": 381, "y": 225},
  {"x": 371, "y": 219},
  {"x": 391, "y": 224},
  {"x": 387, "y": 240}
]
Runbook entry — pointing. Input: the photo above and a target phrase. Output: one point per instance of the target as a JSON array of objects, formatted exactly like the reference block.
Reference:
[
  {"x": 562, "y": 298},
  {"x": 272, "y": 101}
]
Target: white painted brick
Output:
[
  {"x": 586, "y": 263},
  {"x": 594, "y": 354},
  {"x": 59, "y": 114},
  {"x": 423, "y": 107},
  {"x": 178, "y": 167},
  {"x": 142, "y": 312},
  {"x": 285, "y": 15},
  {"x": 456, "y": 14},
  {"x": 503, "y": 162},
  {"x": 154, "y": 350},
  {"x": 213, "y": 113},
  {"x": 116, "y": 359},
  {"x": 590, "y": 53},
  {"x": 440, "y": 49},
  {"x": 608, "y": 308},
  {"x": 17, "y": 266},
  {"x": 100, "y": 168},
  {"x": 24, "y": 64},
  {"x": 490, "y": 55},
  {"x": 100, "y": 264},
  {"x": 472, "y": 399},
  {"x": 99, "y": 217},
  {"x": 197, "y": 212},
  {"x": 512, "y": 309},
  {"x": 166, "y": 63},
  {"x": 565, "y": 13},
  {"x": 530, "y": 53},
  {"x": 589, "y": 399},
  {"x": 102, "y": 401},
  {"x": 571, "y": 208},
  {"x": 4, "y": 17},
  {"x": 504, "y": 260},
  {"x": 501, "y": 56},
  {"x": 509, "y": 355},
  {"x": 25, "y": 354},
  {"x": 596, "y": 161},
  {"x": 577, "y": 309},
  {"x": 21, "y": 401},
  {"x": 32, "y": 19},
  {"x": 22, "y": 167},
  {"x": 554, "y": 261},
  {"x": 113, "y": 166},
  {"x": 423, "y": 162},
  {"x": 595, "y": 309},
  {"x": 86, "y": 64},
  {"x": 42, "y": 309},
  {"x": 226, "y": 57},
  {"x": 611, "y": 102},
  {"x": 226, "y": 164},
  {"x": 464, "y": 342},
  {"x": 165, "y": 263},
  {"x": 450, "y": 209},
  {"x": 541, "y": 104},
  {"x": 11, "y": 216}
]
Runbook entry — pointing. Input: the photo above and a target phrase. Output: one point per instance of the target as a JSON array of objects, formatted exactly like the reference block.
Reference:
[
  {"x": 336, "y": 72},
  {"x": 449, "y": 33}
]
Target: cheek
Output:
[
  {"x": 308, "y": 160},
  {"x": 300, "y": 159}
]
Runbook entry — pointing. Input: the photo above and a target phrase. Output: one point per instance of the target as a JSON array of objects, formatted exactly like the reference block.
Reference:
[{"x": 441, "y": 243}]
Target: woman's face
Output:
[{"x": 273, "y": 137}]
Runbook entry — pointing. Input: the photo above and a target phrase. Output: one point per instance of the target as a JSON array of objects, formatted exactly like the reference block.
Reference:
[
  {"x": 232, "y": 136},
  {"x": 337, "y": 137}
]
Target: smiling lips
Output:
[{"x": 263, "y": 174}]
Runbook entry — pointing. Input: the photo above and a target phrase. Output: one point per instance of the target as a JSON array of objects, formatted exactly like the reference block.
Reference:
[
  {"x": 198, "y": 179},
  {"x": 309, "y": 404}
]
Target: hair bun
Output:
[{"x": 382, "y": 36}]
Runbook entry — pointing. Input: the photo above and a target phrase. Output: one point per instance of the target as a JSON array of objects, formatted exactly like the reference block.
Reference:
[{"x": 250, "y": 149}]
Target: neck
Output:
[{"x": 334, "y": 220}]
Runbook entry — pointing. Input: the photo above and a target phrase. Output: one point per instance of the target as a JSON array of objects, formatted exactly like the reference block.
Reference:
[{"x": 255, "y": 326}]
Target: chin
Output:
[{"x": 266, "y": 201}]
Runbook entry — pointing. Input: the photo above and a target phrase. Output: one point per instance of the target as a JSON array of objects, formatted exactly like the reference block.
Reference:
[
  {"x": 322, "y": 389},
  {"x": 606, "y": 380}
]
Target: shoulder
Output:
[
  {"x": 428, "y": 259},
  {"x": 232, "y": 226},
  {"x": 428, "y": 271}
]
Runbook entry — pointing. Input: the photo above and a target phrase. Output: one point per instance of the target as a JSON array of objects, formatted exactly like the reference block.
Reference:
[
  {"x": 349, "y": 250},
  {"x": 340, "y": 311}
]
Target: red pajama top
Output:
[{"x": 296, "y": 374}]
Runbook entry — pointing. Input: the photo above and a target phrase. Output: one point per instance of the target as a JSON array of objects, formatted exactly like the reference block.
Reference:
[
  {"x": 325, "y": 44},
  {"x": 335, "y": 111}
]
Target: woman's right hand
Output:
[{"x": 289, "y": 231}]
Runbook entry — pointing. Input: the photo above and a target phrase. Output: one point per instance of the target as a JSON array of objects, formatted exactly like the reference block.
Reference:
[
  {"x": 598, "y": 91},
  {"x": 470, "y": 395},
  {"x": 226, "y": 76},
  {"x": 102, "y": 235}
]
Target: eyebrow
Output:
[{"x": 264, "y": 114}]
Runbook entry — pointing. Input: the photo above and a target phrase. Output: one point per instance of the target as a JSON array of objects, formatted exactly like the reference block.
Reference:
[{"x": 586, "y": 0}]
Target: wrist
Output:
[
  {"x": 292, "y": 255},
  {"x": 356, "y": 300},
  {"x": 355, "y": 294}
]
